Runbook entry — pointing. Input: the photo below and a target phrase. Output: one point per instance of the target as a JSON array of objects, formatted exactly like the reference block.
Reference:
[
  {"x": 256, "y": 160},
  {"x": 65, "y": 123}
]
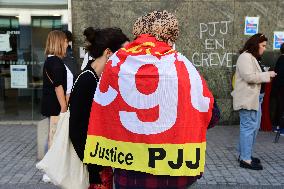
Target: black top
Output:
[
  {"x": 81, "y": 99},
  {"x": 262, "y": 89},
  {"x": 54, "y": 67},
  {"x": 279, "y": 69}
]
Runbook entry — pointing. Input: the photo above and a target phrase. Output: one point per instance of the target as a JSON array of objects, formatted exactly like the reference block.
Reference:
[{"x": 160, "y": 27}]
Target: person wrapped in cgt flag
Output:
[{"x": 151, "y": 109}]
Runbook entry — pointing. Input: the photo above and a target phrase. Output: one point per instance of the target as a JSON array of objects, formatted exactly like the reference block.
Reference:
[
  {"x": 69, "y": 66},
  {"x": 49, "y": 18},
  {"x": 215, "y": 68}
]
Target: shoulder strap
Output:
[
  {"x": 48, "y": 77},
  {"x": 95, "y": 76}
]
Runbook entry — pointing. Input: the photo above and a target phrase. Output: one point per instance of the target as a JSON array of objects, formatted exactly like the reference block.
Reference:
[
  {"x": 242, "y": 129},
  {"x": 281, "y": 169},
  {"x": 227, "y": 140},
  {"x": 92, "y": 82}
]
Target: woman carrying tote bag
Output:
[
  {"x": 102, "y": 45},
  {"x": 61, "y": 164},
  {"x": 54, "y": 80}
]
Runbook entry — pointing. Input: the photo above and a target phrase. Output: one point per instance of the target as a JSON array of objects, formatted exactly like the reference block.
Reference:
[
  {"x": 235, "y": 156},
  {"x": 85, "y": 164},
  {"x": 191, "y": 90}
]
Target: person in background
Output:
[
  {"x": 89, "y": 35},
  {"x": 69, "y": 59},
  {"x": 248, "y": 96},
  {"x": 70, "y": 65},
  {"x": 103, "y": 44},
  {"x": 54, "y": 82},
  {"x": 278, "y": 87}
]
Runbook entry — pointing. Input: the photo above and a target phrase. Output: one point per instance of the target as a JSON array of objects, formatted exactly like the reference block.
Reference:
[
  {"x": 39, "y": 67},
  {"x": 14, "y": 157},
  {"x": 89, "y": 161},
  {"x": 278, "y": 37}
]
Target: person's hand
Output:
[
  {"x": 272, "y": 73},
  {"x": 63, "y": 109}
]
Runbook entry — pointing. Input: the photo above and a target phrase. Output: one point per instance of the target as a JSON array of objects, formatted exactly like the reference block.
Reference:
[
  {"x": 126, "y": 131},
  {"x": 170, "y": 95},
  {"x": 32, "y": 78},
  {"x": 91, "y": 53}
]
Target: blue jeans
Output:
[{"x": 249, "y": 126}]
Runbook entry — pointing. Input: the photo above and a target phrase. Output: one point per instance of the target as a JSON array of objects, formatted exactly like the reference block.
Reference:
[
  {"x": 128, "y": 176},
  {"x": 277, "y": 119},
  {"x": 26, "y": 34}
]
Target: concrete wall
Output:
[{"x": 213, "y": 51}]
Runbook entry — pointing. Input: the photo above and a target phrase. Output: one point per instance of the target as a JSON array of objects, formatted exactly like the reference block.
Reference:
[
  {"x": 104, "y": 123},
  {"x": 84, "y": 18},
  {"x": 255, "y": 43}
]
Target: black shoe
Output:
[
  {"x": 254, "y": 159},
  {"x": 252, "y": 165}
]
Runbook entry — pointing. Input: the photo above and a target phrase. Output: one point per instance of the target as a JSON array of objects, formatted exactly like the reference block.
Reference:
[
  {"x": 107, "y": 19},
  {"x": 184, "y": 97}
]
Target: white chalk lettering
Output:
[
  {"x": 214, "y": 28},
  {"x": 212, "y": 59},
  {"x": 221, "y": 45},
  {"x": 204, "y": 57},
  {"x": 216, "y": 41},
  {"x": 229, "y": 59},
  {"x": 226, "y": 27},
  {"x": 203, "y": 28},
  {"x": 209, "y": 44},
  {"x": 212, "y": 62},
  {"x": 195, "y": 59}
]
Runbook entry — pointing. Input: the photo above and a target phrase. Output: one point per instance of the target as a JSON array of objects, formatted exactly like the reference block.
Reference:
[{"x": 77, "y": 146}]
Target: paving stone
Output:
[{"x": 18, "y": 159}]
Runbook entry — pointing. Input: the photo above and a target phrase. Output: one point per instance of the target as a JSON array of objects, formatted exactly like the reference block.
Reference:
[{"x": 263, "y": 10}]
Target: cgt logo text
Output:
[{"x": 155, "y": 155}]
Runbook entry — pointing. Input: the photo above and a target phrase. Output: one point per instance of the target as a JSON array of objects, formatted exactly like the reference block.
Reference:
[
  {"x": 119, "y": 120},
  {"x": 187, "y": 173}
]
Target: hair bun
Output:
[{"x": 89, "y": 33}]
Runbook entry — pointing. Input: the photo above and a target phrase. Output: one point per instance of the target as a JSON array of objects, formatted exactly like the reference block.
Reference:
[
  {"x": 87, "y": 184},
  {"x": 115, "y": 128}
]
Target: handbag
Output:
[{"x": 61, "y": 163}]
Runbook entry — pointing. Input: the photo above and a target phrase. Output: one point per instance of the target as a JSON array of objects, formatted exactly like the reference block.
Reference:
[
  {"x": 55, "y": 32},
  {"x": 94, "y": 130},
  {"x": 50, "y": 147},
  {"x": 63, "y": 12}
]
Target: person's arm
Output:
[
  {"x": 61, "y": 98},
  {"x": 245, "y": 65},
  {"x": 57, "y": 70},
  {"x": 67, "y": 98}
]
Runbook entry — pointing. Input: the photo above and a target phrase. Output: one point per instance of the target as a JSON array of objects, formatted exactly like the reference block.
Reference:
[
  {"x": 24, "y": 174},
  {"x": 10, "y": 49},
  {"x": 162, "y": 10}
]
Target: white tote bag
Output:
[{"x": 61, "y": 163}]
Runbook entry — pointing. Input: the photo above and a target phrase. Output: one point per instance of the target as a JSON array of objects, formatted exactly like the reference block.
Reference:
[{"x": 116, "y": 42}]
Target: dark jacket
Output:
[
  {"x": 279, "y": 69},
  {"x": 276, "y": 106}
]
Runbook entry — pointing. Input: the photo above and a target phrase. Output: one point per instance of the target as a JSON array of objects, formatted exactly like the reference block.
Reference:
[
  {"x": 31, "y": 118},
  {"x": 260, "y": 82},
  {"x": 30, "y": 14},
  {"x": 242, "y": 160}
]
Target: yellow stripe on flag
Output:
[{"x": 158, "y": 159}]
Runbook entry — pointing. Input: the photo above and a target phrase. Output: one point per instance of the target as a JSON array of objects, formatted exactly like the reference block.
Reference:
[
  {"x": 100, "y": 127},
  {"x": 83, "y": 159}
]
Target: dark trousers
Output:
[
  {"x": 280, "y": 107},
  {"x": 94, "y": 173}
]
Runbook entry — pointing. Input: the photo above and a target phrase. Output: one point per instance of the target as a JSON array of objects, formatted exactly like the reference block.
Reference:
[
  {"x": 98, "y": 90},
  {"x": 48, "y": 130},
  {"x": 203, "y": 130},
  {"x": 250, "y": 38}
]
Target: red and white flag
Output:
[{"x": 150, "y": 112}]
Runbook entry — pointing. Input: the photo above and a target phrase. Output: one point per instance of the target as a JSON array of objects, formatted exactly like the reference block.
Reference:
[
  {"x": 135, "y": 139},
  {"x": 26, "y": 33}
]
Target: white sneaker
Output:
[{"x": 45, "y": 178}]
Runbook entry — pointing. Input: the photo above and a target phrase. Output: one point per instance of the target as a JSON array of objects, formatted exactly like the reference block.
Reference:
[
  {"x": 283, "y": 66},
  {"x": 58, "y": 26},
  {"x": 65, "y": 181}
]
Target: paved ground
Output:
[{"x": 18, "y": 159}]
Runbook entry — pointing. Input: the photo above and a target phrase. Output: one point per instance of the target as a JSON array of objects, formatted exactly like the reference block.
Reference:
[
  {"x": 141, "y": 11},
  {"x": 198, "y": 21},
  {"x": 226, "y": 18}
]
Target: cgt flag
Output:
[{"x": 150, "y": 112}]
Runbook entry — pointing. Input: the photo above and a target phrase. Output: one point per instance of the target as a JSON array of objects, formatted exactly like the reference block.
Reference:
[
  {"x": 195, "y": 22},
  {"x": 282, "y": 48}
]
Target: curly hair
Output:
[{"x": 161, "y": 24}]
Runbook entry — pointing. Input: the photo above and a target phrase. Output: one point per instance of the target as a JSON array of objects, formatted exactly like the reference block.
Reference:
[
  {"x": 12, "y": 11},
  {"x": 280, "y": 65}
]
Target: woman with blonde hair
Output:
[{"x": 54, "y": 80}]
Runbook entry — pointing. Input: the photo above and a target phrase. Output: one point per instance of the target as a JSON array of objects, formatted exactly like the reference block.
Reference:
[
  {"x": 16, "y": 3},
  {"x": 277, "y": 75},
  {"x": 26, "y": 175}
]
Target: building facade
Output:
[
  {"x": 24, "y": 25},
  {"x": 211, "y": 33}
]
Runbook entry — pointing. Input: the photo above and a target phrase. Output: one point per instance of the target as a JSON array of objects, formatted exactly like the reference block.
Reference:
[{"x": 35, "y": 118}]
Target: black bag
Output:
[{"x": 215, "y": 115}]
